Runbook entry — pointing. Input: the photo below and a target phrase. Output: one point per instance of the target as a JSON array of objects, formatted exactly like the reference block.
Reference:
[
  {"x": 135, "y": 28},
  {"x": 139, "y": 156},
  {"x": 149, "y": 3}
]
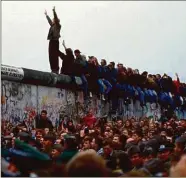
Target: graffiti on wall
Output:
[
  {"x": 23, "y": 102},
  {"x": 52, "y": 100},
  {"x": 18, "y": 102}
]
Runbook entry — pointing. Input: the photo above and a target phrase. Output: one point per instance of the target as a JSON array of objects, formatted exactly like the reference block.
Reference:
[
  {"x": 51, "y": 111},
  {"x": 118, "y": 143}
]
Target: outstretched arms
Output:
[
  {"x": 55, "y": 16},
  {"x": 48, "y": 18}
]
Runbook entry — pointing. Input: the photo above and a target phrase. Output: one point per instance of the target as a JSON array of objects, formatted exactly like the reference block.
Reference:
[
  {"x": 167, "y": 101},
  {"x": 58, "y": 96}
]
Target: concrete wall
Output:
[
  {"x": 23, "y": 97},
  {"x": 23, "y": 102}
]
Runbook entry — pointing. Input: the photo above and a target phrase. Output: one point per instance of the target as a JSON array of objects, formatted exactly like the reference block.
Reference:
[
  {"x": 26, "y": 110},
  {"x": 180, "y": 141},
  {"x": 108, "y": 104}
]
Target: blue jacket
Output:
[{"x": 102, "y": 72}]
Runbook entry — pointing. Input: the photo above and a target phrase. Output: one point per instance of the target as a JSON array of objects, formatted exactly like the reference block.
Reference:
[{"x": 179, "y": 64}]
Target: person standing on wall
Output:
[{"x": 53, "y": 37}]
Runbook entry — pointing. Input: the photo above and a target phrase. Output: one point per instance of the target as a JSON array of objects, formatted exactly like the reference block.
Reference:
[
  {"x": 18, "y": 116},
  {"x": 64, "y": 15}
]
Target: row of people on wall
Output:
[{"x": 111, "y": 81}]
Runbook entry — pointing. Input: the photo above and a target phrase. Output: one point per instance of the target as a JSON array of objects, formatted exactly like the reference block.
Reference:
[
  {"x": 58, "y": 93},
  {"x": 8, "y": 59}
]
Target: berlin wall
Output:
[{"x": 25, "y": 92}]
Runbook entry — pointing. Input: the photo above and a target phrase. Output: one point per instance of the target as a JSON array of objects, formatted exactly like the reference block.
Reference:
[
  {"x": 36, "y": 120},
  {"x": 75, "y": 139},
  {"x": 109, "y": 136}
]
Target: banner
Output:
[{"x": 11, "y": 73}]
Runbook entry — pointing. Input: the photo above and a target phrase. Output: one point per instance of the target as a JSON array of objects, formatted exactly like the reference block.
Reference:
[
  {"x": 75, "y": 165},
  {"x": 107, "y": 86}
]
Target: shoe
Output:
[{"x": 103, "y": 97}]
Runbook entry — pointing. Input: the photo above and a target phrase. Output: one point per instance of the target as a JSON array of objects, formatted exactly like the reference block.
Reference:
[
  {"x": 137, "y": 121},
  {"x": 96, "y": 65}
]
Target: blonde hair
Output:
[{"x": 86, "y": 163}]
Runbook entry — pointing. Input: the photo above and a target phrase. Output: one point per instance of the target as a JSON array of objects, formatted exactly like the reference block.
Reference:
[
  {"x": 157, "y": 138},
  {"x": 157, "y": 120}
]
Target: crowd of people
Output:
[
  {"x": 111, "y": 82},
  {"x": 95, "y": 147},
  {"x": 100, "y": 147}
]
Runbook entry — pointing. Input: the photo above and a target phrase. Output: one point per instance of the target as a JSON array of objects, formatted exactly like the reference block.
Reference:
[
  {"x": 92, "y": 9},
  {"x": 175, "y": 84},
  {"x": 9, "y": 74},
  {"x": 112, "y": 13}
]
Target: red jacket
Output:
[
  {"x": 177, "y": 85},
  {"x": 89, "y": 120}
]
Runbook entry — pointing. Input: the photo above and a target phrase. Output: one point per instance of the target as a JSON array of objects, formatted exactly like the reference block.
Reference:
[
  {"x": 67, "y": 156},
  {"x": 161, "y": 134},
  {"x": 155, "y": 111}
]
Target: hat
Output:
[
  {"x": 24, "y": 136},
  {"x": 26, "y": 157},
  {"x": 181, "y": 140},
  {"x": 77, "y": 51},
  {"x": 25, "y": 150},
  {"x": 163, "y": 148}
]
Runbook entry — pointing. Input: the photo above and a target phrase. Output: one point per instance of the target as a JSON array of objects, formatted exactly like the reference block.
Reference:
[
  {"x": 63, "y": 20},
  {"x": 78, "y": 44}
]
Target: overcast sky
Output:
[{"x": 145, "y": 35}]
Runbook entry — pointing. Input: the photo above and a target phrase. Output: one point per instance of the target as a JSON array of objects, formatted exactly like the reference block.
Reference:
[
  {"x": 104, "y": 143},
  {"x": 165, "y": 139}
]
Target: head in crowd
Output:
[
  {"x": 107, "y": 148},
  {"x": 145, "y": 74},
  {"x": 43, "y": 114},
  {"x": 85, "y": 164},
  {"x": 103, "y": 62},
  {"x": 77, "y": 53},
  {"x": 135, "y": 156},
  {"x": 69, "y": 52},
  {"x": 87, "y": 143},
  {"x": 111, "y": 65}
]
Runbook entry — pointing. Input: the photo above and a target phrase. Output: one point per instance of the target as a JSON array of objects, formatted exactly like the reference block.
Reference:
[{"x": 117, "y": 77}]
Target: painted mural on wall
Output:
[
  {"x": 18, "y": 102},
  {"x": 52, "y": 100}
]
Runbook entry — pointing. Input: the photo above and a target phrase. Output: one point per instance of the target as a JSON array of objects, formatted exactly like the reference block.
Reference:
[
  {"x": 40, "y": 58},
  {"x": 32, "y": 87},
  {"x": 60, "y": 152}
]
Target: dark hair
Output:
[
  {"x": 125, "y": 162},
  {"x": 104, "y": 61},
  {"x": 112, "y": 63},
  {"x": 87, "y": 138},
  {"x": 145, "y": 73},
  {"x": 107, "y": 142},
  {"x": 44, "y": 111},
  {"x": 139, "y": 133},
  {"x": 69, "y": 52}
]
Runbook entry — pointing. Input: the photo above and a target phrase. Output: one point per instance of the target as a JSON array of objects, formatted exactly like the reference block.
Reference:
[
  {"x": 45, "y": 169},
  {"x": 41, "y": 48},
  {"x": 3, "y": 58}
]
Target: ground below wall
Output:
[{"x": 23, "y": 102}]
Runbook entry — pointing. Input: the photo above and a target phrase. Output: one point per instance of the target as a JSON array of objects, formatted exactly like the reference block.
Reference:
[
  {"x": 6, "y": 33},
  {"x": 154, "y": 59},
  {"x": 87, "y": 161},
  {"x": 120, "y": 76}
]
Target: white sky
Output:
[{"x": 146, "y": 35}]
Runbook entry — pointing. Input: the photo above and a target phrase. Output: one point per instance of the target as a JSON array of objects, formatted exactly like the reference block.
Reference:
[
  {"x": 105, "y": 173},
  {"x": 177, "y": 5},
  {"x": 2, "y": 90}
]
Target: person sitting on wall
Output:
[
  {"x": 53, "y": 37},
  {"x": 79, "y": 69},
  {"x": 43, "y": 122},
  {"x": 104, "y": 85},
  {"x": 92, "y": 75},
  {"x": 68, "y": 60}
]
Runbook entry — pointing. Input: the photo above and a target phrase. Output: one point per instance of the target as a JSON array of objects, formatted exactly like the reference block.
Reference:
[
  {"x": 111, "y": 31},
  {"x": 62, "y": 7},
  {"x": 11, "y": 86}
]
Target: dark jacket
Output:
[
  {"x": 121, "y": 76},
  {"x": 102, "y": 71},
  {"x": 111, "y": 75},
  {"x": 78, "y": 69},
  {"x": 167, "y": 84},
  {"x": 43, "y": 123},
  {"x": 111, "y": 161},
  {"x": 92, "y": 70},
  {"x": 68, "y": 61},
  {"x": 67, "y": 155},
  {"x": 54, "y": 31}
]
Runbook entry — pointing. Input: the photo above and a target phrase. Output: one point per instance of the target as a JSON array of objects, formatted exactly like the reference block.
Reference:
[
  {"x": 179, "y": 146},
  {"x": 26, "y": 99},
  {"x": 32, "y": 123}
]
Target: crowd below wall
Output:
[{"x": 97, "y": 147}]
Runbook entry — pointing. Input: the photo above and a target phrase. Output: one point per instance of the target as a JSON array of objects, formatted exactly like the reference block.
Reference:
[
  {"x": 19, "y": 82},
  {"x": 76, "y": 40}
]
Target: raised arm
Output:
[
  {"x": 178, "y": 79},
  {"x": 48, "y": 18},
  {"x": 55, "y": 16},
  {"x": 64, "y": 44},
  {"x": 61, "y": 55}
]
